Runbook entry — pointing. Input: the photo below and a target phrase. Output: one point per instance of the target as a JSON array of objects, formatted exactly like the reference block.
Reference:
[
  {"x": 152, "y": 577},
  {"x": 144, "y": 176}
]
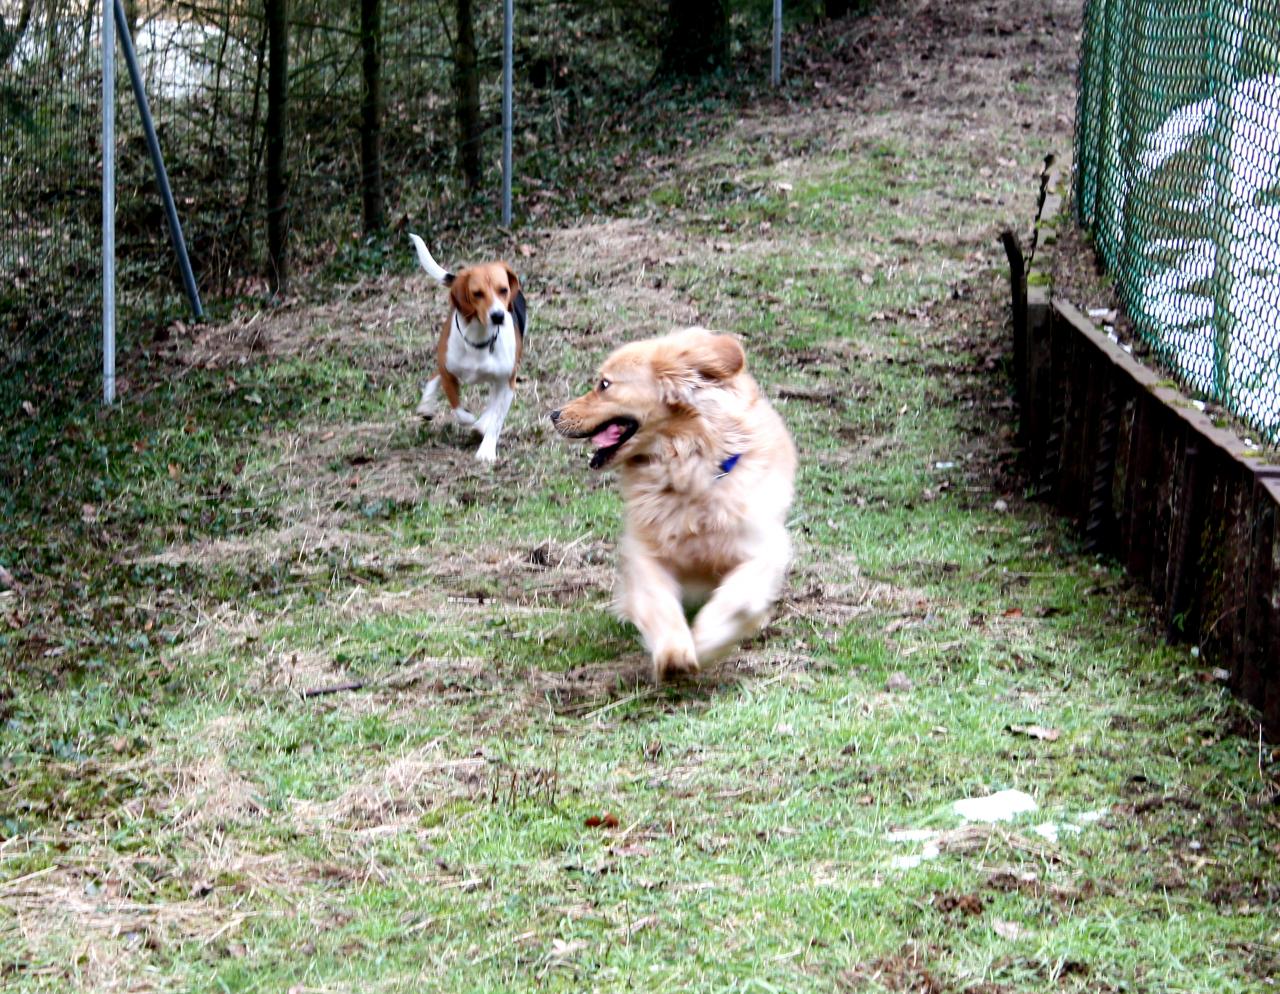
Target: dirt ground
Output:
[{"x": 339, "y": 546}]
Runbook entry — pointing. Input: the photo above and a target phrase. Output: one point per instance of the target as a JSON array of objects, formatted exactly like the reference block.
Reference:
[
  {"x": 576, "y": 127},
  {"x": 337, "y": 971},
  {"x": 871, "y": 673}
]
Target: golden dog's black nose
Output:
[{"x": 555, "y": 416}]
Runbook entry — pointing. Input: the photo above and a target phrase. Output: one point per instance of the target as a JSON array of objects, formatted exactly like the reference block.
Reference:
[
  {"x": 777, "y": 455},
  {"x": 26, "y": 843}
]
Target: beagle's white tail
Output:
[{"x": 433, "y": 268}]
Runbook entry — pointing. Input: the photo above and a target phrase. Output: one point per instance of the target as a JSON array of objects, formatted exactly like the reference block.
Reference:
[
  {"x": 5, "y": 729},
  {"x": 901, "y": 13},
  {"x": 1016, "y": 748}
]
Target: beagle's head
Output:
[
  {"x": 485, "y": 293},
  {"x": 649, "y": 390}
]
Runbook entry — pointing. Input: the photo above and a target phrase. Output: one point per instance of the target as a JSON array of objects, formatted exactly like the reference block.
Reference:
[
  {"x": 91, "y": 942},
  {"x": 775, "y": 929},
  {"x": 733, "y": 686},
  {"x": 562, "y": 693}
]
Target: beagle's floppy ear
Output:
[
  {"x": 460, "y": 295},
  {"x": 516, "y": 301}
]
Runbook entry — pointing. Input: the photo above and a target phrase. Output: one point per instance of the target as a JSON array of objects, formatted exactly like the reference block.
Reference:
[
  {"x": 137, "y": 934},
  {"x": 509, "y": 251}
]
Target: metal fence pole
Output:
[
  {"x": 157, "y": 159},
  {"x": 108, "y": 204},
  {"x": 508, "y": 19},
  {"x": 775, "y": 73}
]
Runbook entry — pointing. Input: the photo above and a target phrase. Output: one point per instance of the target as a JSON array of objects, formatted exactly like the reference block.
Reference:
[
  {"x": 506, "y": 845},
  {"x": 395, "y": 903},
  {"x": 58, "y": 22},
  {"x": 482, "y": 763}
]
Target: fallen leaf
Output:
[
  {"x": 1007, "y": 930},
  {"x": 898, "y": 681},
  {"x": 526, "y": 249},
  {"x": 631, "y": 849},
  {"x": 607, "y": 820},
  {"x": 175, "y": 471},
  {"x": 966, "y": 904},
  {"x": 1035, "y": 732}
]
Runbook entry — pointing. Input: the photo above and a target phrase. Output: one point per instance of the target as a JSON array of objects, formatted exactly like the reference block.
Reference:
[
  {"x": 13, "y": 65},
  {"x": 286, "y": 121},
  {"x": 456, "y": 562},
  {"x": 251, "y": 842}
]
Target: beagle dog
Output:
[{"x": 481, "y": 343}]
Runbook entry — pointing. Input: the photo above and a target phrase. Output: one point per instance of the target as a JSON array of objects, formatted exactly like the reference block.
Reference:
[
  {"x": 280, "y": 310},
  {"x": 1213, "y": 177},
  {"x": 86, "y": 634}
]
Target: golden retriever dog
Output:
[{"x": 707, "y": 470}]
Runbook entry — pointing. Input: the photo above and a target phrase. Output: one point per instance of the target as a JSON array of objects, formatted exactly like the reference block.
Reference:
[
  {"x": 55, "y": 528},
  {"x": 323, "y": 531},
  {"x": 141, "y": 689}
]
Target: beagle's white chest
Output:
[{"x": 477, "y": 355}]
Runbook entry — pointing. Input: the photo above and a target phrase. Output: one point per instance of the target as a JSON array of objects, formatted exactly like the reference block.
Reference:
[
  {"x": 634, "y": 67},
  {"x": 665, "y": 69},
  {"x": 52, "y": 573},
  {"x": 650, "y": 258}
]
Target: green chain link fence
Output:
[{"x": 1178, "y": 179}]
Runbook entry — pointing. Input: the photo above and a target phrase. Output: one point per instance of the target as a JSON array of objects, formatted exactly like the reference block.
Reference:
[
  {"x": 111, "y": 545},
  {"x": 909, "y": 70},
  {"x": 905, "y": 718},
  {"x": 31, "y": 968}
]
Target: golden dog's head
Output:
[{"x": 649, "y": 389}]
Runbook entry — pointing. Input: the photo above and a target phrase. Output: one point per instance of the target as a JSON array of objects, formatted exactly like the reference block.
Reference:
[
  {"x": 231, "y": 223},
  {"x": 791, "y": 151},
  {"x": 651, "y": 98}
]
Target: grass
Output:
[{"x": 505, "y": 803}]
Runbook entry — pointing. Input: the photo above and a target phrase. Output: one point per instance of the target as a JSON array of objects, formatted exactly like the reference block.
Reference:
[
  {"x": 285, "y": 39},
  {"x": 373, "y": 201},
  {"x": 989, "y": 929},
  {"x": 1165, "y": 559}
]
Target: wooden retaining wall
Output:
[{"x": 1187, "y": 507}]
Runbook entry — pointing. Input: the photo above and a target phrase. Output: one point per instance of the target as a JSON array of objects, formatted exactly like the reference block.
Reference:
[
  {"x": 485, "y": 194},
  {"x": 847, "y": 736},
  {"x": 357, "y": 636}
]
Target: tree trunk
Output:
[
  {"x": 371, "y": 116},
  {"x": 466, "y": 86},
  {"x": 697, "y": 37},
  {"x": 837, "y": 8},
  {"x": 277, "y": 181}
]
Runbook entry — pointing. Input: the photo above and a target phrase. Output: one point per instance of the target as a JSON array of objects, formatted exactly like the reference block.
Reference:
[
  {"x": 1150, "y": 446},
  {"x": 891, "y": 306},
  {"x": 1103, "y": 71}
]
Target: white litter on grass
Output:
[
  {"x": 1001, "y": 806},
  {"x": 1051, "y": 830},
  {"x": 931, "y": 851},
  {"x": 1004, "y": 805},
  {"x": 926, "y": 835}
]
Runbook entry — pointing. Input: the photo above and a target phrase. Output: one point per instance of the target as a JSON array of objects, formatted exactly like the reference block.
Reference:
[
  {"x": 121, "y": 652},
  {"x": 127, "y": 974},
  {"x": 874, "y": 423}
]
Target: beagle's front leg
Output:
[{"x": 491, "y": 421}]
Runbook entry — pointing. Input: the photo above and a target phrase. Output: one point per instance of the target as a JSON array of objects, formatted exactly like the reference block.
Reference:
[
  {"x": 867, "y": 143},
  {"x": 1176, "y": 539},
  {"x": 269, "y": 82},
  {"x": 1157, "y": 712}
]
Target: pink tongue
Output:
[{"x": 607, "y": 436}]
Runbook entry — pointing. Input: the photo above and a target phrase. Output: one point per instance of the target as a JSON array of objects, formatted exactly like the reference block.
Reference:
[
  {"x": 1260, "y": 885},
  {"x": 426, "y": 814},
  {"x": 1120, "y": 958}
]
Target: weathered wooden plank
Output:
[{"x": 1187, "y": 506}]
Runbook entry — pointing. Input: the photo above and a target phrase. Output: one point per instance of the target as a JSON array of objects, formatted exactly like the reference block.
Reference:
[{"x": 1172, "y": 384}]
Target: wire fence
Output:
[
  {"x": 50, "y": 123},
  {"x": 1178, "y": 178},
  {"x": 205, "y": 68}
]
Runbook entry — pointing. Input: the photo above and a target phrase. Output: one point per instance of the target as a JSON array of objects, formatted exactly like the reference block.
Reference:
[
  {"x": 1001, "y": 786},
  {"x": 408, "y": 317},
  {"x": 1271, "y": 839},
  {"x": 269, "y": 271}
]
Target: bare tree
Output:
[
  {"x": 466, "y": 89},
  {"x": 697, "y": 37},
  {"x": 371, "y": 116},
  {"x": 277, "y": 181}
]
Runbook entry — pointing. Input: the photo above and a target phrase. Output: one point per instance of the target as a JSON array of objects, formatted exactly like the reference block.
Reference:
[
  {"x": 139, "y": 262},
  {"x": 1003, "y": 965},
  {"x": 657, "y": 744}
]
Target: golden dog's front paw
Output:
[{"x": 676, "y": 662}]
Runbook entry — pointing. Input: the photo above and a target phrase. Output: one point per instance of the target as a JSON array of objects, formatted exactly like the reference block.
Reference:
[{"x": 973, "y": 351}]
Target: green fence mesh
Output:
[{"x": 1178, "y": 178}]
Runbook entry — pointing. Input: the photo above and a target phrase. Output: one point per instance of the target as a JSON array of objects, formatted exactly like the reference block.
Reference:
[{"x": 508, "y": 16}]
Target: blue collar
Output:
[{"x": 726, "y": 467}]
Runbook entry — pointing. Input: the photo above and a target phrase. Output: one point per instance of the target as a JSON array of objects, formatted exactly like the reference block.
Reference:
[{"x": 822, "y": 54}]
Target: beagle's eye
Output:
[
  {"x": 503, "y": 292},
  {"x": 604, "y": 385}
]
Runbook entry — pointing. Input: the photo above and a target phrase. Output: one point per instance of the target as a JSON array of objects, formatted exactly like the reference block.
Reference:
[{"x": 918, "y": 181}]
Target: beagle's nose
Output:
[
  {"x": 555, "y": 416},
  {"x": 497, "y": 316}
]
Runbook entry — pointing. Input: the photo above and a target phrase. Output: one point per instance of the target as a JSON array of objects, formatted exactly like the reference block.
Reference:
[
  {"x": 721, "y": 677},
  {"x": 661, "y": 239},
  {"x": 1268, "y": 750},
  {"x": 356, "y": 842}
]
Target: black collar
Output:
[{"x": 475, "y": 345}]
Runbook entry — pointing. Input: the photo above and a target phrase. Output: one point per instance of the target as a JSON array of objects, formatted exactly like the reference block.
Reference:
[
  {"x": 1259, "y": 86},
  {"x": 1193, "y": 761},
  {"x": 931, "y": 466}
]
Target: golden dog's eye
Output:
[
  {"x": 503, "y": 292},
  {"x": 604, "y": 385}
]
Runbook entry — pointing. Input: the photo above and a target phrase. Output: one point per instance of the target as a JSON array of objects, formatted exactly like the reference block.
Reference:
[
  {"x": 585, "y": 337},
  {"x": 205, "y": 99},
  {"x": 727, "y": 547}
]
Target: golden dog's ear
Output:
[
  {"x": 716, "y": 357},
  {"x": 697, "y": 360},
  {"x": 515, "y": 281}
]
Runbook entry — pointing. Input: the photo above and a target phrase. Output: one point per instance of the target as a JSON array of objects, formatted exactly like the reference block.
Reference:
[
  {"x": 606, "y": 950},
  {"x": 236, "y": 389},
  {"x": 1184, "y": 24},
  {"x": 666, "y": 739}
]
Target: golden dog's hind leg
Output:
[
  {"x": 650, "y": 599},
  {"x": 742, "y": 603}
]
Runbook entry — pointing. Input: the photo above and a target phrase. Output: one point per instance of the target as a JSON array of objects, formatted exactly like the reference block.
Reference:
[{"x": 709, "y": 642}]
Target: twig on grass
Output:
[
  {"x": 27, "y": 876},
  {"x": 394, "y": 682},
  {"x": 338, "y": 688}
]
